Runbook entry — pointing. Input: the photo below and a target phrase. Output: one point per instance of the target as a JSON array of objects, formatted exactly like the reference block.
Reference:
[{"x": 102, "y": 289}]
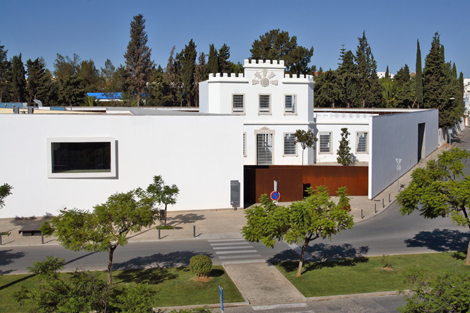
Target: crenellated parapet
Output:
[{"x": 254, "y": 63}]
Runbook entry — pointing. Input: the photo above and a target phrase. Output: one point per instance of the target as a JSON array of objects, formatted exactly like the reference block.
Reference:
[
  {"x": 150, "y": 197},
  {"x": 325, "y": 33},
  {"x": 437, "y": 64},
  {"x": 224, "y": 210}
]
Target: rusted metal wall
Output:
[{"x": 293, "y": 180}]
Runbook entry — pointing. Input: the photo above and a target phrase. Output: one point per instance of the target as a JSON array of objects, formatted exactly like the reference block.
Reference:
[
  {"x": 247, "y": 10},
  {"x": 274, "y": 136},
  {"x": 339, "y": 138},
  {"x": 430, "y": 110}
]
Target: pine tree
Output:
[
  {"x": 278, "y": 45},
  {"x": 5, "y": 73},
  {"x": 224, "y": 55},
  {"x": 344, "y": 151},
  {"x": 327, "y": 91},
  {"x": 213, "y": 61},
  {"x": 369, "y": 91},
  {"x": 405, "y": 96},
  {"x": 65, "y": 66},
  {"x": 71, "y": 91},
  {"x": 138, "y": 63},
  {"x": 419, "y": 78},
  {"x": 387, "y": 75},
  {"x": 18, "y": 79}
]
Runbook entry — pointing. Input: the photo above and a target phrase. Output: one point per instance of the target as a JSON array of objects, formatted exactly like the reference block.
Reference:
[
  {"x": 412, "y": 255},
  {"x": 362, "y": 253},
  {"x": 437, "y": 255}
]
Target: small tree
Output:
[
  {"x": 441, "y": 293},
  {"x": 317, "y": 216},
  {"x": 306, "y": 139},
  {"x": 5, "y": 190},
  {"x": 162, "y": 193},
  {"x": 345, "y": 156},
  {"x": 106, "y": 227},
  {"x": 439, "y": 190}
]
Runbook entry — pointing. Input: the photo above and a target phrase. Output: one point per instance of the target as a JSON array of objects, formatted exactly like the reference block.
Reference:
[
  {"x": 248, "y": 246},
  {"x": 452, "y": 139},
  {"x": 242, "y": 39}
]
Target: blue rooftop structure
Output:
[
  {"x": 107, "y": 96},
  {"x": 10, "y": 105}
]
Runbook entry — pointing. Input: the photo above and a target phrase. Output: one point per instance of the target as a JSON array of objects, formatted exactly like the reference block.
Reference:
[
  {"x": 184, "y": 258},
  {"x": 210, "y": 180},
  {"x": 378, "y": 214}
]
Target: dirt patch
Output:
[
  {"x": 202, "y": 279},
  {"x": 388, "y": 269}
]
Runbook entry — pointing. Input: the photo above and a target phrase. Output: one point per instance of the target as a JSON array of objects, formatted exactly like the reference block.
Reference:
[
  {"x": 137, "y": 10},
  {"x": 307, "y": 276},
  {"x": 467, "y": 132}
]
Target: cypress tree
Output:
[
  {"x": 138, "y": 63},
  {"x": 419, "y": 77},
  {"x": 187, "y": 72},
  {"x": 213, "y": 61},
  {"x": 224, "y": 55},
  {"x": 347, "y": 78},
  {"x": 38, "y": 80},
  {"x": 18, "y": 79},
  {"x": 440, "y": 88},
  {"x": 387, "y": 75},
  {"x": 369, "y": 90},
  {"x": 5, "y": 72}
]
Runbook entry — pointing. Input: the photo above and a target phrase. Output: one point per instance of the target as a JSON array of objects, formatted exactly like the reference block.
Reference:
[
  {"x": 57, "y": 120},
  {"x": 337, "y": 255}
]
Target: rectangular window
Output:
[
  {"x": 290, "y": 104},
  {"x": 81, "y": 157},
  {"x": 264, "y": 104},
  {"x": 325, "y": 142},
  {"x": 361, "y": 142},
  {"x": 264, "y": 149},
  {"x": 289, "y": 145},
  {"x": 238, "y": 104}
]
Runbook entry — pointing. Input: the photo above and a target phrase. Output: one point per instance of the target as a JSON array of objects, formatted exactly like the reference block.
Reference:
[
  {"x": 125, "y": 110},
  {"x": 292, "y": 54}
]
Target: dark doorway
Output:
[{"x": 421, "y": 128}]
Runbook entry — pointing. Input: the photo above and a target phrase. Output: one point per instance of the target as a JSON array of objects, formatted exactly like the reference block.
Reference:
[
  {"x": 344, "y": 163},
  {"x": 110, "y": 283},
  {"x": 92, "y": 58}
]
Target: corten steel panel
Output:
[{"x": 293, "y": 179}]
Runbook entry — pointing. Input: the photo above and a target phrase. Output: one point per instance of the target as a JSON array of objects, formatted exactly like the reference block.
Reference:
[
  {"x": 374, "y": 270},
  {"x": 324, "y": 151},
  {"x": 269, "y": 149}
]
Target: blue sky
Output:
[{"x": 99, "y": 30}]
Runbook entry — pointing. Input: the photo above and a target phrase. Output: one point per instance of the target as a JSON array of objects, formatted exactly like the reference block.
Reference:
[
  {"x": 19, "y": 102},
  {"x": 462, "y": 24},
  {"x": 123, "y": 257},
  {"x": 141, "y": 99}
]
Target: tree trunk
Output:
[
  {"x": 301, "y": 262},
  {"x": 467, "y": 261},
  {"x": 110, "y": 265},
  {"x": 138, "y": 99},
  {"x": 165, "y": 213},
  {"x": 303, "y": 156}
]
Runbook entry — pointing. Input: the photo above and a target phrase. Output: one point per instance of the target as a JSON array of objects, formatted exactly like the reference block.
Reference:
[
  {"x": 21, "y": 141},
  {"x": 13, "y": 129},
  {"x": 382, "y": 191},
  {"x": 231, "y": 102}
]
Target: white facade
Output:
[
  {"x": 201, "y": 154},
  {"x": 273, "y": 106}
]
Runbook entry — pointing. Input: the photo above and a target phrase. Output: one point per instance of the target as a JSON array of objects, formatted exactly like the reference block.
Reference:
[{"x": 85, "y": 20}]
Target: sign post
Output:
[
  {"x": 398, "y": 169},
  {"x": 275, "y": 196},
  {"x": 221, "y": 295}
]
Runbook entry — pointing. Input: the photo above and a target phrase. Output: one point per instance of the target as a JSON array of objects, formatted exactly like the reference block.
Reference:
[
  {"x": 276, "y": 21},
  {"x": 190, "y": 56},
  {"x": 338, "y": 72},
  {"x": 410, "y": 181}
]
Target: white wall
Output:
[
  {"x": 263, "y": 78},
  {"x": 200, "y": 154},
  {"x": 333, "y": 122},
  {"x": 396, "y": 136}
]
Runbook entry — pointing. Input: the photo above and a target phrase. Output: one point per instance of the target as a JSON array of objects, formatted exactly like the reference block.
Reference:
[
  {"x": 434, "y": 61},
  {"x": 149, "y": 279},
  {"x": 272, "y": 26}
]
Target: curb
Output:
[
  {"x": 210, "y": 306},
  {"x": 360, "y": 295}
]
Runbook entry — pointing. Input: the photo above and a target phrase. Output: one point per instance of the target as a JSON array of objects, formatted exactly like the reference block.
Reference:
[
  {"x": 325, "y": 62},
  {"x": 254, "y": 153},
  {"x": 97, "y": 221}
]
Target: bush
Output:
[{"x": 200, "y": 265}]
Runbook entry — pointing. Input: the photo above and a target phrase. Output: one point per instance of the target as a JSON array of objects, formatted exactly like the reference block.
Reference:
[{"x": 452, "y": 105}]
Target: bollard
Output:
[
  {"x": 42, "y": 238},
  {"x": 194, "y": 231},
  {"x": 1, "y": 243},
  {"x": 383, "y": 203},
  {"x": 159, "y": 234},
  {"x": 362, "y": 213},
  {"x": 375, "y": 207},
  {"x": 389, "y": 199}
]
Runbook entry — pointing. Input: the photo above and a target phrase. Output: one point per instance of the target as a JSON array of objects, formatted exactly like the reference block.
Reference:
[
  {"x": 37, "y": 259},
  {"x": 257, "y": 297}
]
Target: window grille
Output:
[
  {"x": 238, "y": 105},
  {"x": 264, "y": 106},
  {"x": 325, "y": 139},
  {"x": 289, "y": 145},
  {"x": 290, "y": 104},
  {"x": 244, "y": 144},
  {"x": 264, "y": 149},
  {"x": 362, "y": 142}
]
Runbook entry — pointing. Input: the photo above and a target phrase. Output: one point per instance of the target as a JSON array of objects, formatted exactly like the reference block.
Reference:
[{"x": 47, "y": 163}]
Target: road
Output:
[{"x": 386, "y": 233}]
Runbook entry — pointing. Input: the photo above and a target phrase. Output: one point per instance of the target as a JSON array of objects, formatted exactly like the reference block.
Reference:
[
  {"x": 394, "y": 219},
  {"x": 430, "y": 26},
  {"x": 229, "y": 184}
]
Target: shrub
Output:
[
  {"x": 386, "y": 262},
  {"x": 200, "y": 265}
]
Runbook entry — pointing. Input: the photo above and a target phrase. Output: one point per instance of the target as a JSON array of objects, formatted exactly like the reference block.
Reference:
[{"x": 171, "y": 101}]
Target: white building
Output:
[
  {"x": 123, "y": 150},
  {"x": 275, "y": 105}
]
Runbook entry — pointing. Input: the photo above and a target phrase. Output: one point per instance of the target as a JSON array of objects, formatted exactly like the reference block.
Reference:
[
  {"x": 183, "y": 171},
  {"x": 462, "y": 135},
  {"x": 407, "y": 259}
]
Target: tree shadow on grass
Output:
[
  {"x": 440, "y": 240},
  {"x": 159, "y": 260},
  {"x": 462, "y": 255},
  {"x": 146, "y": 276},
  {"x": 184, "y": 219},
  {"x": 325, "y": 255},
  {"x": 216, "y": 273}
]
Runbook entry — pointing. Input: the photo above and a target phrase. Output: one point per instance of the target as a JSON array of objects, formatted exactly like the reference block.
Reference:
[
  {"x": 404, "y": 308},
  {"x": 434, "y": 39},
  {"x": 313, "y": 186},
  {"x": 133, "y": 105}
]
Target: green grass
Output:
[
  {"x": 173, "y": 286},
  {"x": 364, "y": 275}
]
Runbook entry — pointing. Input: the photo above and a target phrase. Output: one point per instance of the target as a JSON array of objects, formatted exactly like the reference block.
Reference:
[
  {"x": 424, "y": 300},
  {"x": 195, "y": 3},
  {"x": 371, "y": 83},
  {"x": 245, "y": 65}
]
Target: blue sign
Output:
[
  {"x": 275, "y": 195},
  {"x": 221, "y": 295}
]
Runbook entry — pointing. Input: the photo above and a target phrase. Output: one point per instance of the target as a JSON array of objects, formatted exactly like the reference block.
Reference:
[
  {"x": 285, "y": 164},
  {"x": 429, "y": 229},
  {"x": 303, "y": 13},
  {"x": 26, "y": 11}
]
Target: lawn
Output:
[
  {"x": 363, "y": 275},
  {"x": 173, "y": 286}
]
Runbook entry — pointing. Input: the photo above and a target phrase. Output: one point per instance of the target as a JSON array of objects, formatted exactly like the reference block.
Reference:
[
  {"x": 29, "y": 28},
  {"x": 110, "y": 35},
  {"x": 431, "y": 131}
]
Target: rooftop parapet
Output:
[{"x": 263, "y": 63}]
